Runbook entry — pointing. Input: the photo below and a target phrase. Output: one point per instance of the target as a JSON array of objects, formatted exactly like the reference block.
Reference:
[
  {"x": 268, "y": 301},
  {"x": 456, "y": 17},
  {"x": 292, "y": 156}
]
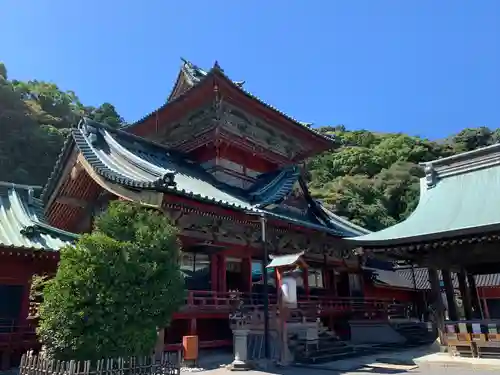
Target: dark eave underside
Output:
[{"x": 421, "y": 277}]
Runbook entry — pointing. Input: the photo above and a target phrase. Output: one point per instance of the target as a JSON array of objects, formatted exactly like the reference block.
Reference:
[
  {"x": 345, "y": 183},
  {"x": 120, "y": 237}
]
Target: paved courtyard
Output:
[
  {"x": 423, "y": 360},
  {"x": 301, "y": 371}
]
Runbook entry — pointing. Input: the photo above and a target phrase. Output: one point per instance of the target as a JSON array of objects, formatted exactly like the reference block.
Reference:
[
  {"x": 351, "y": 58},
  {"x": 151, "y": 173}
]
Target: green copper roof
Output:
[
  {"x": 138, "y": 163},
  {"x": 458, "y": 196},
  {"x": 22, "y": 224}
]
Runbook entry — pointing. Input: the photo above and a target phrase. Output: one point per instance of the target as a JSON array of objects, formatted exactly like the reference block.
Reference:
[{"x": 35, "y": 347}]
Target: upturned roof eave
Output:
[
  {"x": 55, "y": 175},
  {"x": 171, "y": 102},
  {"x": 24, "y": 224}
]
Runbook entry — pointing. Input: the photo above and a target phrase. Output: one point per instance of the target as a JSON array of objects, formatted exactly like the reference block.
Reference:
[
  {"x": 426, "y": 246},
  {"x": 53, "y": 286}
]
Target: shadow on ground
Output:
[{"x": 386, "y": 362}]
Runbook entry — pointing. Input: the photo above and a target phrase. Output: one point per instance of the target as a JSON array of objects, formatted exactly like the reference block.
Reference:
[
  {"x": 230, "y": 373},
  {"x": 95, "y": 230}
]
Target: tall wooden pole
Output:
[
  {"x": 450, "y": 294},
  {"x": 266, "y": 291},
  {"x": 465, "y": 293},
  {"x": 415, "y": 305},
  {"x": 438, "y": 303},
  {"x": 476, "y": 302}
]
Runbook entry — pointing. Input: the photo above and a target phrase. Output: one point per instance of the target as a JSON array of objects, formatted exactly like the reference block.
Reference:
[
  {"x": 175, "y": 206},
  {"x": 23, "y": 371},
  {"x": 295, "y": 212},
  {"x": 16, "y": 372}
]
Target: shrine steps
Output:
[
  {"x": 415, "y": 333},
  {"x": 329, "y": 348},
  {"x": 326, "y": 349}
]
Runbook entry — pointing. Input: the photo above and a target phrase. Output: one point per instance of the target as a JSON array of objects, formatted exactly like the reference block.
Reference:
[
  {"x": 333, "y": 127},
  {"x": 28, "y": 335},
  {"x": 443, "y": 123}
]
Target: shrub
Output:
[{"x": 114, "y": 287}]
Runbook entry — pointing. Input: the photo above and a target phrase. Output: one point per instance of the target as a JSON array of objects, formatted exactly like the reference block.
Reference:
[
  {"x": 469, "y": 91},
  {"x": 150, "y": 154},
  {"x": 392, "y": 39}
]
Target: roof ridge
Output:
[
  {"x": 58, "y": 167},
  {"x": 51, "y": 229},
  {"x": 301, "y": 124},
  {"x": 169, "y": 102},
  {"x": 465, "y": 162},
  {"x": 465, "y": 155},
  {"x": 181, "y": 157},
  {"x": 14, "y": 185}
]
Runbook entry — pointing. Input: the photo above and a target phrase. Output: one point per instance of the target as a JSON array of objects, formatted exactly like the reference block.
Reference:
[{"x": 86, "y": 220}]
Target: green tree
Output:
[
  {"x": 114, "y": 287},
  {"x": 35, "y": 117},
  {"x": 107, "y": 114},
  {"x": 3, "y": 71},
  {"x": 372, "y": 178},
  {"x": 472, "y": 138}
]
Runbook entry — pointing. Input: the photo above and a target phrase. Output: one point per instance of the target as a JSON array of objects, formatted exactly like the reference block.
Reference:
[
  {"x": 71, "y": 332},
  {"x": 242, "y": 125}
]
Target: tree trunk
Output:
[{"x": 160, "y": 343}]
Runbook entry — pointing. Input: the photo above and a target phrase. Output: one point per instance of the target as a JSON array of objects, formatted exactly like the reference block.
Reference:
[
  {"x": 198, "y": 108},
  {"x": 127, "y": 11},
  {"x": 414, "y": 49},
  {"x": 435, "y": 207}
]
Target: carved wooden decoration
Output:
[
  {"x": 231, "y": 120},
  {"x": 222, "y": 230}
]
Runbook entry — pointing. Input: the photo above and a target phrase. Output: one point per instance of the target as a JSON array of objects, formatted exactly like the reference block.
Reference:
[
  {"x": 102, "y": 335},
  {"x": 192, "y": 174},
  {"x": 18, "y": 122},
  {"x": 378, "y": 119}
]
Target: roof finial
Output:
[
  {"x": 167, "y": 180},
  {"x": 31, "y": 195},
  {"x": 217, "y": 66},
  {"x": 430, "y": 175}
]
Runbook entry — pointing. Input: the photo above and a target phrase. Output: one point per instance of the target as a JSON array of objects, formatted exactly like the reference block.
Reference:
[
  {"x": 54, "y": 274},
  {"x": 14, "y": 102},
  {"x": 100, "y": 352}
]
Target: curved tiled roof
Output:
[
  {"x": 458, "y": 196},
  {"x": 195, "y": 76},
  {"x": 135, "y": 162},
  {"x": 273, "y": 187},
  {"x": 22, "y": 224},
  {"x": 118, "y": 157},
  {"x": 304, "y": 125}
]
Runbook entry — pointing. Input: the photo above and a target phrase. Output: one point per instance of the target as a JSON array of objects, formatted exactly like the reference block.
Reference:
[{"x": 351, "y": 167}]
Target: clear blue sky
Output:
[{"x": 426, "y": 67}]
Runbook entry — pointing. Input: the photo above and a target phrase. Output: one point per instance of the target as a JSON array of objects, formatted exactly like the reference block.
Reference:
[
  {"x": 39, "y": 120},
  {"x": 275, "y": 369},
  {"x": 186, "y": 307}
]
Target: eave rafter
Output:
[
  {"x": 22, "y": 253},
  {"x": 453, "y": 253}
]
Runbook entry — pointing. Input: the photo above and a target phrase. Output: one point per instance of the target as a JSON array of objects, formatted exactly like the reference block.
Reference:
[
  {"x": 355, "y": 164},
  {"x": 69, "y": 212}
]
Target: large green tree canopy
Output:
[
  {"x": 371, "y": 178},
  {"x": 114, "y": 287}
]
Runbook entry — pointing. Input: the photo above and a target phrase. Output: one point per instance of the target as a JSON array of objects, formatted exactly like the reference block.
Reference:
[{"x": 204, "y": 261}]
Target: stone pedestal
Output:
[{"x": 240, "y": 347}]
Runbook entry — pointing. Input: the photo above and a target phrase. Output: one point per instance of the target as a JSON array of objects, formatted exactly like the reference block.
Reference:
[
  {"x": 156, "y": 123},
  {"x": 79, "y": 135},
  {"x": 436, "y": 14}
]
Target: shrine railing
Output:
[
  {"x": 364, "y": 308},
  {"x": 14, "y": 336},
  {"x": 225, "y": 302}
]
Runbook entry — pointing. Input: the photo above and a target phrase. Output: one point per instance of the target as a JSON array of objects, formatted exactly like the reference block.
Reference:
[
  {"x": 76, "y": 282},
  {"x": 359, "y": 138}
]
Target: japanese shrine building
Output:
[{"x": 215, "y": 159}]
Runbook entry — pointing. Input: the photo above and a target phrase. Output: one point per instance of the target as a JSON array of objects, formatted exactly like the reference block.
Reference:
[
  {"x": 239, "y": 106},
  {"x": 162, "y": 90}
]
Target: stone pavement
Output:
[
  {"x": 424, "y": 361},
  {"x": 364, "y": 371}
]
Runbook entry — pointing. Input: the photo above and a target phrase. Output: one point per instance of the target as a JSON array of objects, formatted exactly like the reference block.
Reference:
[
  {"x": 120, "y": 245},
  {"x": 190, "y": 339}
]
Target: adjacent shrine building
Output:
[
  {"x": 455, "y": 229},
  {"x": 28, "y": 246}
]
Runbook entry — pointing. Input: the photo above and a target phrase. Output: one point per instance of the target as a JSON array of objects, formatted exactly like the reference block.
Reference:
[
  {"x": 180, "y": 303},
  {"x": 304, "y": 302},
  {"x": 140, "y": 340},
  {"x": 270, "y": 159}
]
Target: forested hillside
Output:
[
  {"x": 34, "y": 119},
  {"x": 371, "y": 178}
]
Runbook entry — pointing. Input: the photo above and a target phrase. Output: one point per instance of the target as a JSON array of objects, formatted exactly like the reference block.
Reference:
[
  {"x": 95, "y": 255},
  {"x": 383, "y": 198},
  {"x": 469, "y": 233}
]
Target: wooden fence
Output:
[{"x": 32, "y": 364}]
